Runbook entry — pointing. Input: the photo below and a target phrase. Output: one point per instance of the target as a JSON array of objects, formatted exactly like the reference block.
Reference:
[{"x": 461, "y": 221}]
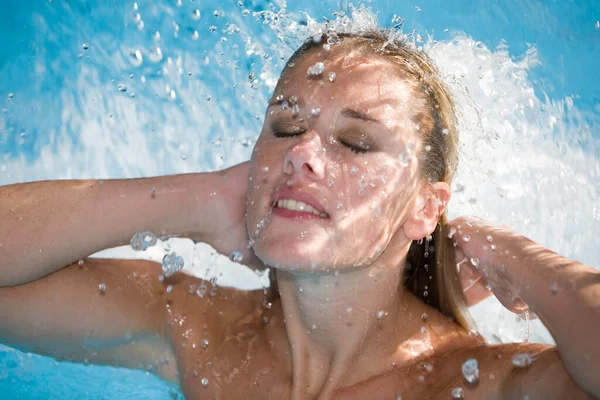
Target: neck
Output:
[{"x": 346, "y": 327}]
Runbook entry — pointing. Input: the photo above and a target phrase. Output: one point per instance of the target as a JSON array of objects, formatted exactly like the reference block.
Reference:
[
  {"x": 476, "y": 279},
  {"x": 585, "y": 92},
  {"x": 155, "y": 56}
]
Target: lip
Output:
[{"x": 291, "y": 194}]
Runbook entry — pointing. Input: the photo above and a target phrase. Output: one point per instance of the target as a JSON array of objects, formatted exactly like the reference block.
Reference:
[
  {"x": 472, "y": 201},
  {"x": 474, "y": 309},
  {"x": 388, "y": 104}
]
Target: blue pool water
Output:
[{"x": 111, "y": 89}]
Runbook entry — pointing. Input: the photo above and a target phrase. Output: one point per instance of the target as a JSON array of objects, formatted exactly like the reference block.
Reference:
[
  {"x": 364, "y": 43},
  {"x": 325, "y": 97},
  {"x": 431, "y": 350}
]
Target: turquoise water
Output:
[{"x": 525, "y": 74}]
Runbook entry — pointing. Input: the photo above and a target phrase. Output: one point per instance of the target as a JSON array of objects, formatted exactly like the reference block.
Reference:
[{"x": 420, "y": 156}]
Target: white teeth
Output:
[{"x": 299, "y": 206}]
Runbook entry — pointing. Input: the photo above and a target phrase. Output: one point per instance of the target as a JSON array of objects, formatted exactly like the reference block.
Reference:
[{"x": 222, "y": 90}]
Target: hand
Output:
[
  {"x": 479, "y": 245},
  {"x": 227, "y": 214}
]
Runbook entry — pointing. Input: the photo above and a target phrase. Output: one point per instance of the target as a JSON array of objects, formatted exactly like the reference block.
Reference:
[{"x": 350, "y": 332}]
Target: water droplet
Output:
[
  {"x": 597, "y": 25},
  {"x": 381, "y": 314},
  {"x": 212, "y": 28},
  {"x": 332, "y": 76},
  {"x": 80, "y": 262},
  {"x": 196, "y": 14},
  {"x": 217, "y": 13},
  {"x": 236, "y": 256},
  {"x": 85, "y": 46},
  {"x": 470, "y": 371},
  {"x": 207, "y": 97},
  {"x": 171, "y": 263},
  {"x": 11, "y": 95},
  {"x": 489, "y": 238},
  {"x": 445, "y": 131},
  {"x": 423, "y": 330},
  {"x": 142, "y": 240},
  {"x": 122, "y": 88},
  {"x": 204, "y": 382},
  {"x": 285, "y": 105},
  {"x": 245, "y": 12},
  {"x": 475, "y": 262},
  {"x": 522, "y": 360},
  {"x": 404, "y": 159},
  {"x": 315, "y": 111},
  {"x": 169, "y": 288},
  {"x": 295, "y": 110},
  {"x": 102, "y": 288},
  {"x": 457, "y": 393},
  {"x": 466, "y": 238},
  {"x": 424, "y": 317},
  {"x": 201, "y": 292},
  {"x": 204, "y": 344},
  {"x": 317, "y": 69},
  {"x": 554, "y": 288}
]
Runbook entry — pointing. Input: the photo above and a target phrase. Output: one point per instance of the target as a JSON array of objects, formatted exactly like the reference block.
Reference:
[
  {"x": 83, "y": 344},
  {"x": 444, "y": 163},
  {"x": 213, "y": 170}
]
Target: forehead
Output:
[{"x": 367, "y": 83}]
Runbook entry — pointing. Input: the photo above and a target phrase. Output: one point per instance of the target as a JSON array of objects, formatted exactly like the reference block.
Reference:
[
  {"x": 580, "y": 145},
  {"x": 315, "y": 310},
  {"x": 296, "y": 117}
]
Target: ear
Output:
[{"x": 428, "y": 211}]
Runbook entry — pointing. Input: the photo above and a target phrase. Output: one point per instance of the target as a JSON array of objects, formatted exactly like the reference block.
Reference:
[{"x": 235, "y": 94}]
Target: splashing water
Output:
[
  {"x": 522, "y": 360},
  {"x": 457, "y": 393},
  {"x": 171, "y": 263},
  {"x": 470, "y": 371},
  {"x": 142, "y": 240}
]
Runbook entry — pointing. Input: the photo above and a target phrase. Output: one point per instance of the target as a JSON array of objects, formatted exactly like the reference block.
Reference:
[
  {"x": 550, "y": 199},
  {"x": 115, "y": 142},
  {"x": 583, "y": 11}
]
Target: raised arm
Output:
[
  {"x": 563, "y": 293},
  {"x": 68, "y": 315},
  {"x": 47, "y": 225}
]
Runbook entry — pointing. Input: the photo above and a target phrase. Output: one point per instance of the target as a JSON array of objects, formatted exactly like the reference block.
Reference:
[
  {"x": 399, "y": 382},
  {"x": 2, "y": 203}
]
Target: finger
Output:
[
  {"x": 473, "y": 284},
  {"x": 474, "y": 289},
  {"x": 515, "y": 305}
]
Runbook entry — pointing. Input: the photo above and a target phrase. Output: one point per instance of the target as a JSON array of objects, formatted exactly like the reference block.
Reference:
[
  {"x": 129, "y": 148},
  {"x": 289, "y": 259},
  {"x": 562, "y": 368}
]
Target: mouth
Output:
[
  {"x": 298, "y": 207},
  {"x": 295, "y": 204}
]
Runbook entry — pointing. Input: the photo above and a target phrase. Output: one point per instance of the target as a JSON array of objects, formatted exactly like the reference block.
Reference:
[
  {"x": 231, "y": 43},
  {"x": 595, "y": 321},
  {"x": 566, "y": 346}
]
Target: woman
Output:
[{"x": 346, "y": 198}]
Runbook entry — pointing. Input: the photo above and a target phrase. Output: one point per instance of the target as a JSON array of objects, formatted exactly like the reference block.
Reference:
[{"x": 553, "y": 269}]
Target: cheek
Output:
[
  {"x": 382, "y": 190},
  {"x": 267, "y": 160}
]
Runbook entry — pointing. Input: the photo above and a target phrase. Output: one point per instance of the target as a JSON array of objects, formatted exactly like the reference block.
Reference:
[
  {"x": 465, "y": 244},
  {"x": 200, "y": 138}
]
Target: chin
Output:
[{"x": 293, "y": 258}]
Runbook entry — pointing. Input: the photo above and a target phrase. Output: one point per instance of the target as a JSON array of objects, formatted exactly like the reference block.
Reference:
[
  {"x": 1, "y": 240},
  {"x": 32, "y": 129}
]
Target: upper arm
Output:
[
  {"x": 65, "y": 315},
  {"x": 545, "y": 378}
]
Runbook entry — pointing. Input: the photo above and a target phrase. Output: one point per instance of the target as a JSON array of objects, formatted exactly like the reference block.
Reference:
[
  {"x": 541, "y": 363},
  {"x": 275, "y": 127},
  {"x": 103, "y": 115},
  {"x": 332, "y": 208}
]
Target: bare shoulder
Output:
[
  {"x": 508, "y": 371},
  {"x": 219, "y": 306},
  {"x": 215, "y": 332}
]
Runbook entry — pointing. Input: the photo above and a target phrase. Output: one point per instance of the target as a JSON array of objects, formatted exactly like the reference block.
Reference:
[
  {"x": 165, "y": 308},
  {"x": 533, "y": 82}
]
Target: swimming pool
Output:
[{"x": 124, "y": 89}]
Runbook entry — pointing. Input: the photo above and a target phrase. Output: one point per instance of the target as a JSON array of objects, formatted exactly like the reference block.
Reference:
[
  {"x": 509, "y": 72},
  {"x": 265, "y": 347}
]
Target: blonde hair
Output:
[{"x": 431, "y": 272}]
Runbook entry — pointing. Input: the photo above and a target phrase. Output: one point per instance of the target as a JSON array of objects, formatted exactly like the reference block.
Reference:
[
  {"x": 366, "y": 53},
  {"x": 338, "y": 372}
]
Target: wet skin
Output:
[{"x": 307, "y": 344}]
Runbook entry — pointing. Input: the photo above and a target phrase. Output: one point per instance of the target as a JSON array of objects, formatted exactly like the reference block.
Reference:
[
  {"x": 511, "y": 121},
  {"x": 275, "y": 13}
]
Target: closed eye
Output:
[
  {"x": 284, "y": 130},
  {"x": 284, "y": 134},
  {"x": 356, "y": 148}
]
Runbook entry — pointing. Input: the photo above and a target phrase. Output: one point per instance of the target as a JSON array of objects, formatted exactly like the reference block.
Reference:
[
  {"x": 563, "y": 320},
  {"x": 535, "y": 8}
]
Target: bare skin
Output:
[
  {"x": 342, "y": 328},
  {"x": 248, "y": 354}
]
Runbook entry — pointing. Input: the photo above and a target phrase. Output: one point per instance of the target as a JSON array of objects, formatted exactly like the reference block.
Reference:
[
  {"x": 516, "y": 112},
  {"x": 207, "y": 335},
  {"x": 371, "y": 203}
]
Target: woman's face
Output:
[{"x": 334, "y": 173}]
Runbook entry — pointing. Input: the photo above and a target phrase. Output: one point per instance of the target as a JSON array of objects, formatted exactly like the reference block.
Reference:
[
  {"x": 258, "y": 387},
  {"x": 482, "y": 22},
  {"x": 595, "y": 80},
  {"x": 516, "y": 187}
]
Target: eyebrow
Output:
[
  {"x": 346, "y": 112},
  {"x": 355, "y": 114}
]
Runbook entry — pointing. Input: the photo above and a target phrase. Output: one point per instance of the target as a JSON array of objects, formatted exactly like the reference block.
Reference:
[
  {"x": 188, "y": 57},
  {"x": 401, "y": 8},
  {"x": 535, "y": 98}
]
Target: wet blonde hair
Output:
[{"x": 431, "y": 272}]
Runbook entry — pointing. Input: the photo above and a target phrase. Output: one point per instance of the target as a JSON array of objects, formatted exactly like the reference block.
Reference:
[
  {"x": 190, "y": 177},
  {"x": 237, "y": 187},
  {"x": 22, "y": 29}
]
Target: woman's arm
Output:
[
  {"x": 563, "y": 293},
  {"x": 68, "y": 315},
  {"x": 47, "y": 225}
]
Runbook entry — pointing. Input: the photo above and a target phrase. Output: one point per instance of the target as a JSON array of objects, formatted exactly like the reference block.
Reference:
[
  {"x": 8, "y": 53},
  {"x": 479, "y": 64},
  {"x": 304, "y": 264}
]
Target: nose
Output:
[{"x": 306, "y": 157}]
